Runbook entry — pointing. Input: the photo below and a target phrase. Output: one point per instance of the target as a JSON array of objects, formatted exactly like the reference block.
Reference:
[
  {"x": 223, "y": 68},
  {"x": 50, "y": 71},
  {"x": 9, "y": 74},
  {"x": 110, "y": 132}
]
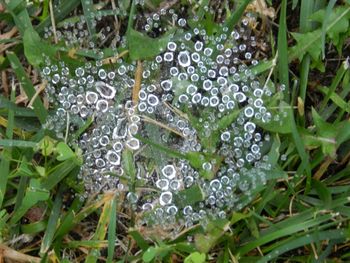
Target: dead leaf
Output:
[{"x": 260, "y": 7}]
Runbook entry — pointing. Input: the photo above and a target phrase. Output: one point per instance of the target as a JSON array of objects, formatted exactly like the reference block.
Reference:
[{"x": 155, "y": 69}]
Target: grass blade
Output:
[
  {"x": 101, "y": 229},
  {"x": 283, "y": 69},
  {"x": 6, "y": 154},
  {"x": 306, "y": 10},
  {"x": 63, "y": 9},
  {"x": 17, "y": 143},
  {"x": 89, "y": 11},
  {"x": 27, "y": 85},
  {"x": 18, "y": 10},
  {"x": 288, "y": 230},
  {"x": 34, "y": 194},
  {"x": 335, "y": 83},
  {"x": 112, "y": 227},
  {"x": 52, "y": 223},
  {"x": 324, "y": 25},
  {"x": 60, "y": 172},
  {"x": 236, "y": 16},
  {"x": 338, "y": 234},
  {"x": 314, "y": 38}
]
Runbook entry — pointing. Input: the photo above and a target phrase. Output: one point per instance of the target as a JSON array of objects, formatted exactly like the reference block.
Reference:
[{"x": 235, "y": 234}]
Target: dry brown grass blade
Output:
[
  {"x": 323, "y": 168},
  {"x": 53, "y": 22},
  {"x": 162, "y": 125},
  {"x": 8, "y": 254},
  {"x": 9, "y": 34},
  {"x": 138, "y": 79},
  {"x": 260, "y": 6},
  {"x": 112, "y": 60},
  {"x": 4, "y": 82},
  {"x": 42, "y": 86}
]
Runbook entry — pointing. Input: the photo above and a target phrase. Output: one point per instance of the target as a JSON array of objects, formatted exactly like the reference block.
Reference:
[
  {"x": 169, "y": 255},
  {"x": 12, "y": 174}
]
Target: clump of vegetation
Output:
[{"x": 171, "y": 131}]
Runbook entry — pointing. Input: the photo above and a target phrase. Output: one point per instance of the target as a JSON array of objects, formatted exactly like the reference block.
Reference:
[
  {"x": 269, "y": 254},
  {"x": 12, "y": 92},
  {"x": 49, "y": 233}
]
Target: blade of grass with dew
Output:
[
  {"x": 36, "y": 50},
  {"x": 82, "y": 129},
  {"x": 236, "y": 16},
  {"x": 168, "y": 151},
  {"x": 112, "y": 228},
  {"x": 27, "y": 85},
  {"x": 336, "y": 234},
  {"x": 52, "y": 223},
  {"x": 128, "y": 164},
  {"x": 6, "y": 154},
  {"x": 89, "y": 14},
  {"x": 282, "y": 47},
  {"x": 60, "y": 12}
]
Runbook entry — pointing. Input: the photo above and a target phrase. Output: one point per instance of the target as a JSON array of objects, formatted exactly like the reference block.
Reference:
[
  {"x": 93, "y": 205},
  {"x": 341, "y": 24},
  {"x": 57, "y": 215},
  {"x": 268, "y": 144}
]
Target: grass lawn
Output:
[{"x": 174, "y": 131}]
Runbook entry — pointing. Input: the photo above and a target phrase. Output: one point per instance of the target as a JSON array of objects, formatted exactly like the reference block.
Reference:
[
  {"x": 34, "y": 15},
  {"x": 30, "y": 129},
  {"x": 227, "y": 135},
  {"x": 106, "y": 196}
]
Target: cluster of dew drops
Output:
[{"x": 195, "y": 73}]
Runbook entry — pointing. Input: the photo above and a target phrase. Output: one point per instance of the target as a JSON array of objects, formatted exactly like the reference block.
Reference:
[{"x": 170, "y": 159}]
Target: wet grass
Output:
[{"x": 300, "y": 215}]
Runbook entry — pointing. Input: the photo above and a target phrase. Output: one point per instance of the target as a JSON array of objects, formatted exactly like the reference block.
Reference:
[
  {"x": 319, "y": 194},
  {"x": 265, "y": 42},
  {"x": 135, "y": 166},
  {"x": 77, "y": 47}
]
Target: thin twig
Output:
[
  {"x": 112, "y": 60},
  {"x": 53, "y": 22},
  {"x": 274, "y": 63},
  {"x": 12, "y": 255},
  {"x": 67, "y": 128},
  {"x": 149, "y": 120},
  {"x": 42, "y": 86}
]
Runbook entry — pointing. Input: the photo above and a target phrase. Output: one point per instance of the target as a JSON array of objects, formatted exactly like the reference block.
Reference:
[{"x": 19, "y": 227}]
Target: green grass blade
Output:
[
  {"x": 282, "y": 46},
  {"x": 112, "y": 227},
  {"x": 299, "y": 144},
  {"x": 17, "y": 143},
  {"x": 337, "y": 234},
  {"x": 89, "y": 14},
  {"x": 288, "y": 230},
  {"x": 64, "y": 8},
  {"x": 170, "y": 152},
  {"x": 236, "y": 16},
  {"x": 27, "y": 85},
  {"x": 60, "y": 172},
  {"x": 336, "y": 99},
  {"x": 335, "y": 83},
  {"x": 6, "y": 105},
  {"x": 52, "y": 223},
  {"x": 324, "y": 25},
  {"x": 306, "y": 10},
  {"x": 18, "y": 10},
  {"x": 33, "y": 228},
  {"x": 315, "y": 37},
  {"x": 101, "y": 229},
  {"x": 33, "y": 195},
  {"x": 6, "y": 154}
]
